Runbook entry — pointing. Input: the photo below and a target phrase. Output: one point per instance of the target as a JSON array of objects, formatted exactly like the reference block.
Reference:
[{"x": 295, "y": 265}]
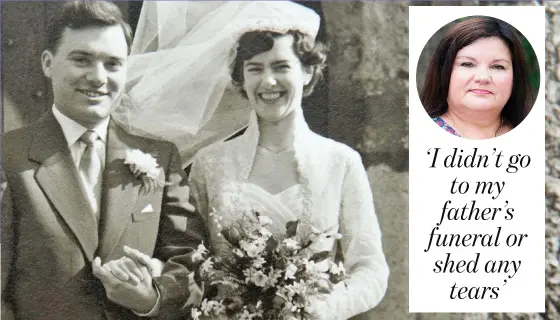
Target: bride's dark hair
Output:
[{"x": 313, "y": 55}]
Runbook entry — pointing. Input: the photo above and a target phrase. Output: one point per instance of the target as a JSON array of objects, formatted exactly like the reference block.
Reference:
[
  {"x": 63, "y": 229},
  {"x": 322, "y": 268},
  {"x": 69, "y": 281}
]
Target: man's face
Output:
[{"x": 88, "y": 72}]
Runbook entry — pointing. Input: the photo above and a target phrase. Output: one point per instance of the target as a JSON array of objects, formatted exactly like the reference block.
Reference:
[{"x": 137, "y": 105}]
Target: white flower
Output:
[
  {"x": 319, "y": 240},
  {"x": 260, "y": 241},
  {"x": 273, "y": 277},
  {"x": 253, "y": 249},
  {"x": 337, "y": 269},
  {"x": 216, "y": 221},
  {"x": 219, "y": 307},
  {"x": 290, "y": 271},
  {"x": 296, "y": 288},
  {"x": 238, "y": 252},
  {"x": 246, "y": 315},
  {"x": 310, "y": 266},
  {"x": 259, "y": 278},
  {"x": 199, "y": 252},
  {"x": 195, "y": 314},
  {"x": 206, "y": 307},
  {"x": 265, "y": 233},
  {"x": 292, "y": 306},
  {"x": 291, "y": 244},
  {"x": 201, "y": 248},
  {"x": 258, "y": 262},
  {"x": 264, "y": 220},
  {"x": 207, "y": 265},
  {"x": 142, "y": 163},
  {"x": 247, "y": 273}
]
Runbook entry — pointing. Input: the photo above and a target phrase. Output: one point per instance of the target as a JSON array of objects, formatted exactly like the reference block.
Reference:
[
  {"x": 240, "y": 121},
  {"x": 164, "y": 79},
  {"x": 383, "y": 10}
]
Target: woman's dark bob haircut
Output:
[
  {"x": 313, "y": 55},
  {"x": 462, "y": 34}
]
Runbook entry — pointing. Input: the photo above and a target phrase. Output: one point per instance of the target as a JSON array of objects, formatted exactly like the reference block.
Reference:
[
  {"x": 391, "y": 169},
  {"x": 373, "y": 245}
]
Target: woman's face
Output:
[
  {"x": 482, "y": 77},
  {"x": 274, "y": 80}
]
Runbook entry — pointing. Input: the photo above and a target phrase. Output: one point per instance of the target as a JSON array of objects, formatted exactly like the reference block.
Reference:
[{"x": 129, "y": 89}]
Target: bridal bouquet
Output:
[{"x": 264, "y": 276}]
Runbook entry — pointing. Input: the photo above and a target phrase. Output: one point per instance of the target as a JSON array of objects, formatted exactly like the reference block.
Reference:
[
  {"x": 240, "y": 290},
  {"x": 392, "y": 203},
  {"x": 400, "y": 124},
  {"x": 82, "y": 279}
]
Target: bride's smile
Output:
[
  {"x": 274, "y": 80},
  {"x": 271, "y": 97}
]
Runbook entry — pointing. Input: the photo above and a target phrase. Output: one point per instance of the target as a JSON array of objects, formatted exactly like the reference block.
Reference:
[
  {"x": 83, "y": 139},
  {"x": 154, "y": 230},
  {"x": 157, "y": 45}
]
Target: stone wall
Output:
[
  {"x": 368, "y": 110},
  {"x": 552, "y": 162}
]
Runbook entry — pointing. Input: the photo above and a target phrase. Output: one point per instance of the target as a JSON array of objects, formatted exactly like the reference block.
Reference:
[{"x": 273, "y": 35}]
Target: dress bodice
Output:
[
  {"x": 333, "y": 193},
  {"x": 281, "y": 207}
]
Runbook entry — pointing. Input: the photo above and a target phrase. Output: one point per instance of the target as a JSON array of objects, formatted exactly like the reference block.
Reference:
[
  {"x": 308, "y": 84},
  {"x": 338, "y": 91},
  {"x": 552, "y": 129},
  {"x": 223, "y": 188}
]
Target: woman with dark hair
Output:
[
  {"x": 477, "y": 82},
  {"x": 278, "y": 166}
]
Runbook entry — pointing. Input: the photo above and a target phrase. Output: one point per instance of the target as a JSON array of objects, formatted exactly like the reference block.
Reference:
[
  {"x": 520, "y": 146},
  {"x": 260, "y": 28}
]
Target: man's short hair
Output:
[{"x": 86, "y": 14}]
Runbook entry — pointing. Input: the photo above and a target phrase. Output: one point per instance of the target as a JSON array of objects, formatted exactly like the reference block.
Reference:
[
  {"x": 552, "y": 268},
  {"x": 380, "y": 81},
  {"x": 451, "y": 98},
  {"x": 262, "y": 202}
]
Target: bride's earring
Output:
[
  {"x": 307, "y": 75},
  {"x": 307, "y": 79}
]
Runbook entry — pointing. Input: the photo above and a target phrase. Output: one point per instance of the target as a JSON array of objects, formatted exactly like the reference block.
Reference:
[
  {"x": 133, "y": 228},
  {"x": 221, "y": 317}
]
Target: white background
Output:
[{"x": 429, "y": 187}]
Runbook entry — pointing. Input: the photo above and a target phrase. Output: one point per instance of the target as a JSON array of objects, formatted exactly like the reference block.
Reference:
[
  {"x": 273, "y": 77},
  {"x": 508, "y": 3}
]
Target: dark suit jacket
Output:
[{"x": 49, "y": 235}]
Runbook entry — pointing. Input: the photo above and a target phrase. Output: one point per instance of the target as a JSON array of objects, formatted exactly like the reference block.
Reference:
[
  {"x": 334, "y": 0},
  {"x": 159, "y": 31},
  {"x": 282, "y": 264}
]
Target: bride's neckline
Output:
[
  {"x": 275, "y": 150},
  {"x": 274, "y": 154},
  {"x": 277, "y": 194}
]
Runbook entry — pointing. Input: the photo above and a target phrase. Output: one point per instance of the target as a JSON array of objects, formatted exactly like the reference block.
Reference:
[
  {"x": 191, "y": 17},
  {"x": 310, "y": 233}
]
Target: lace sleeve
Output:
[{"x": 361, "y": 247}]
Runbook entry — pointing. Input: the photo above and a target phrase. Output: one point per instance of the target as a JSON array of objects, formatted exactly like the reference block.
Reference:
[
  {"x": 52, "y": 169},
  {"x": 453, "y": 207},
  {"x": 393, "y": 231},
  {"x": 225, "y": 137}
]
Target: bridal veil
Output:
[{"x": 179, "y": 86}]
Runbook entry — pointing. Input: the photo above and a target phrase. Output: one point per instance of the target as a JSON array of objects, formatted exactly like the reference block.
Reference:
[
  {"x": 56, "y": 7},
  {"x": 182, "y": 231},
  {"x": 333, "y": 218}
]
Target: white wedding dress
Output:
[
  {"x": 333, "y": 193},
  {"x": 281, "y": 207}
]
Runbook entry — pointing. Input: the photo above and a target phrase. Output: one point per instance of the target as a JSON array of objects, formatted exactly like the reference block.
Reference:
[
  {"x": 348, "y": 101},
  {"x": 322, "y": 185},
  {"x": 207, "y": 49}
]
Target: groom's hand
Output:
[
  {"x": 154, "y": 266},
  {"x": 140, "y": 298},
  {"x": 127, "y": 268}
]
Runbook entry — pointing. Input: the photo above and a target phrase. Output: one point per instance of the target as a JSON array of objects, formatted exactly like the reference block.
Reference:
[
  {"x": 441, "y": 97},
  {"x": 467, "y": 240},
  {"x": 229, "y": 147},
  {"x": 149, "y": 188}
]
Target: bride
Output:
[{"x": 278, "y": 166}]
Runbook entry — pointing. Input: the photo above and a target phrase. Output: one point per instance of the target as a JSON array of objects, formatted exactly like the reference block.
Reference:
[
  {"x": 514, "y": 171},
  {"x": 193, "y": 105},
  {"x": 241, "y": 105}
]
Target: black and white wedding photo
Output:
[{"x": 204, "y": 160}]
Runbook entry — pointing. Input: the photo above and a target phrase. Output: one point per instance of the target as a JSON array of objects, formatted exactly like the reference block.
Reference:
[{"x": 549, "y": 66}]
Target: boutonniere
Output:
[{"x": 145, "y": 167}]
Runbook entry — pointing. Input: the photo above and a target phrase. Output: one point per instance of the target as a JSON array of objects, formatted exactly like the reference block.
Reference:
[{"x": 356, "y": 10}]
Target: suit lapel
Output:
[
  {"x": 120, "y": 190},
  {"x": 59, "y": 179}
]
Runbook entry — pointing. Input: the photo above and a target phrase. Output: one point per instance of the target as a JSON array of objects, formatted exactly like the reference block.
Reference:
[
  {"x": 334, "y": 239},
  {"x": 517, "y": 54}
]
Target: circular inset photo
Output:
[{"x": 478, "y": 77}]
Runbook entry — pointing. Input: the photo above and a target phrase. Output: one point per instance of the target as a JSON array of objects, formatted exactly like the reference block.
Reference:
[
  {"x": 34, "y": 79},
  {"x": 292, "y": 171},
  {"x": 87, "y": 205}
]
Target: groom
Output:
[{"x": 76, "y": 194}]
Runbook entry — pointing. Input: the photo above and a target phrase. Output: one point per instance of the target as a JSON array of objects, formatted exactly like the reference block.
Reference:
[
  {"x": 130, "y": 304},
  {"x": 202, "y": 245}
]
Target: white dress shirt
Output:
[{"x": 72, "y": 131}]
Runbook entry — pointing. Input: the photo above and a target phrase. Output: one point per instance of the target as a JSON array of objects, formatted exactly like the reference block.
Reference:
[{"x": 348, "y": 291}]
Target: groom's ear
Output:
[{"x": 46, "y": 62}]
